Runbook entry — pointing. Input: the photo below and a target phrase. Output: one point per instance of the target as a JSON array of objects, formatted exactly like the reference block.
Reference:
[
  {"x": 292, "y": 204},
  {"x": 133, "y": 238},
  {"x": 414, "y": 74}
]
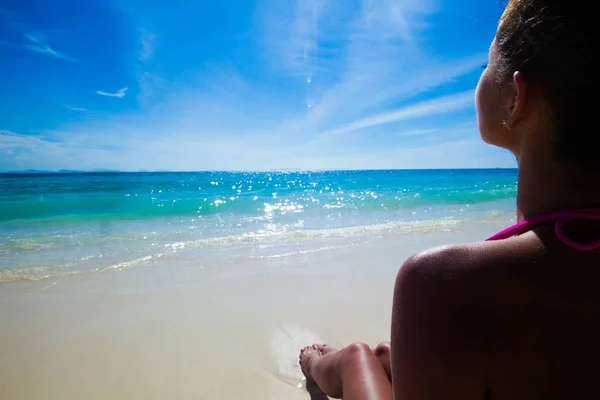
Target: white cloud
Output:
[{"x": 120, "y": 93}]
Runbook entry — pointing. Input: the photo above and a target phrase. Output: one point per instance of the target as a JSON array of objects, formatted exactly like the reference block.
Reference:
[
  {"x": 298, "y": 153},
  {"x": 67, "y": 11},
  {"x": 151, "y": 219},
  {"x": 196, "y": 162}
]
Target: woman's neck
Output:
[{"x": 546, "y": 186}]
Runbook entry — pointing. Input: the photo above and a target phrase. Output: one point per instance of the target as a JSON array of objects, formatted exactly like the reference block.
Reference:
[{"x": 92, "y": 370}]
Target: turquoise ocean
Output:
[{"x": 54, "y": 225}]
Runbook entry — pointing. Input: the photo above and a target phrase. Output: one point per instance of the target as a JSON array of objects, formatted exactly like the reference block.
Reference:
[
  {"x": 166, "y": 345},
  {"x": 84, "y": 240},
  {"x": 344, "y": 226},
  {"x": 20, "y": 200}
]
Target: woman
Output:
[{"x": 517, "y": 316}]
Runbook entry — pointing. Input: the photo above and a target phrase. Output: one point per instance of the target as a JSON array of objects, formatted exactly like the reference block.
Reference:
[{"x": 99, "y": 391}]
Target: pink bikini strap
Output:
[{"x": 561, "y": 218}]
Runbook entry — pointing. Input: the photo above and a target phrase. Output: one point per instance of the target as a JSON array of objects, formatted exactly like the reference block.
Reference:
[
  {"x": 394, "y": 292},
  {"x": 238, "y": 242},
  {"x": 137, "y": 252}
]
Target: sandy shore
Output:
[{"x": 173, "y": 332}]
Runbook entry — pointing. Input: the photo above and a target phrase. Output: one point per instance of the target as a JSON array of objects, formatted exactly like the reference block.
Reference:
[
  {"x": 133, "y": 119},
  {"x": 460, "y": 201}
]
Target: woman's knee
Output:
[
  {"x": 359, "y": 349},
  {"x": 382, "y": 349}
]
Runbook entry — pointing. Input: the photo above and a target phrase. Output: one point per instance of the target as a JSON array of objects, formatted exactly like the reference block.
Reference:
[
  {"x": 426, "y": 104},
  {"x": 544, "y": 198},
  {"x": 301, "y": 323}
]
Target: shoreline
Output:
[
  {"x": 120, "y": 248},
  {"x": 172, "y": 330}
]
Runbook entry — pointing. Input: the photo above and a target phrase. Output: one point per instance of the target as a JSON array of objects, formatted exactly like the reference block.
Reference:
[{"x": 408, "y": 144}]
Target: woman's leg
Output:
[{"x": 353, "y": 372}]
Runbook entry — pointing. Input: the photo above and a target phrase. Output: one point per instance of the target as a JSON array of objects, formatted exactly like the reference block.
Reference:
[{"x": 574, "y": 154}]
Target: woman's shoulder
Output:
[
  {"x": 461, "y": 263},
  {"x": 458, "y": 284},
  {"x": 435, "y": 269},
  {"x": 452, "y": 261}
]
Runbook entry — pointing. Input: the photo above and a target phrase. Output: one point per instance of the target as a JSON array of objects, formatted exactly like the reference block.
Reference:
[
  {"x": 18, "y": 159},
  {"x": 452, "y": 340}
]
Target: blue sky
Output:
[{"x": 243, "y": 85}]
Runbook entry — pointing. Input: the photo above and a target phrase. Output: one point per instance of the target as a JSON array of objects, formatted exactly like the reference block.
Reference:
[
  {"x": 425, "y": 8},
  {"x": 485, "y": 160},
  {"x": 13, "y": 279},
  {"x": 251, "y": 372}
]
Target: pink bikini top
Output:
[{"x": 561, "y": 218}]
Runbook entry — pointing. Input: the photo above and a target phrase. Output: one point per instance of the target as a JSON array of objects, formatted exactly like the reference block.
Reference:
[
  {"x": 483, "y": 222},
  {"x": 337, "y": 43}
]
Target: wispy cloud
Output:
[
  {"x": 147, "y": 44},
  {"x": 348, "y": 86},
  {"x": 358, "y": 58},
  {"x": 20, "y": 151},
  {"x": 120, "y": 93},
  {"x": 39, "y": 45},
  {"x": 292, "y": 43},
  {"x": 185, "y": 151},
  {"x": 76, "y": 109},
  {"x": 423, "y": 109},
  {"x": 304, "y": 38}
]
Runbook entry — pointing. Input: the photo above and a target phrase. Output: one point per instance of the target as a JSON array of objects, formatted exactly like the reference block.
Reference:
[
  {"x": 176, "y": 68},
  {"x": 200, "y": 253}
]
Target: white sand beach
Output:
[{"x": 171, "y": 330}]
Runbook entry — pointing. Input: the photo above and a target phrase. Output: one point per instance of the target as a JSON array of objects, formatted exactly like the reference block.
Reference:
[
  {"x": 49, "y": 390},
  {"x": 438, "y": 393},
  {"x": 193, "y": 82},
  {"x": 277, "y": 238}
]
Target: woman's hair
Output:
[{"x": 552, "y": 42}]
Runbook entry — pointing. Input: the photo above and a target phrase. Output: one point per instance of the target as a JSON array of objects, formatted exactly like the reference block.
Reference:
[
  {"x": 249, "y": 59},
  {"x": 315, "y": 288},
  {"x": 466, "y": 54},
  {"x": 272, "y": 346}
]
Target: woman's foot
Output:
[
  {"x": 320, "y": 365},
  {"x": 354, "y": 369}
]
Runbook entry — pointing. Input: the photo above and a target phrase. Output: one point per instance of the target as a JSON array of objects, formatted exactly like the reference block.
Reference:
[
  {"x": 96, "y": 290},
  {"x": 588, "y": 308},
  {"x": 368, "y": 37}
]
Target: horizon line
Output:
[{"x": 110, "y": 171}]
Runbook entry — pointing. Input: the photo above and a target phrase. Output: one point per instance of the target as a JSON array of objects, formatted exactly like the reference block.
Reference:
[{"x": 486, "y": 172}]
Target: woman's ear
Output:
[{"x": 517, "y": 104}]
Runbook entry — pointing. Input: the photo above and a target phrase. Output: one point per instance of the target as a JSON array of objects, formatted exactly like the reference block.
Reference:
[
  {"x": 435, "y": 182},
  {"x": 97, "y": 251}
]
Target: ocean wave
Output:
[
  {"x": 62, "y": 271},
  {"x": 287, "y": 233},
  {"x": 276, "y": 235}
]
